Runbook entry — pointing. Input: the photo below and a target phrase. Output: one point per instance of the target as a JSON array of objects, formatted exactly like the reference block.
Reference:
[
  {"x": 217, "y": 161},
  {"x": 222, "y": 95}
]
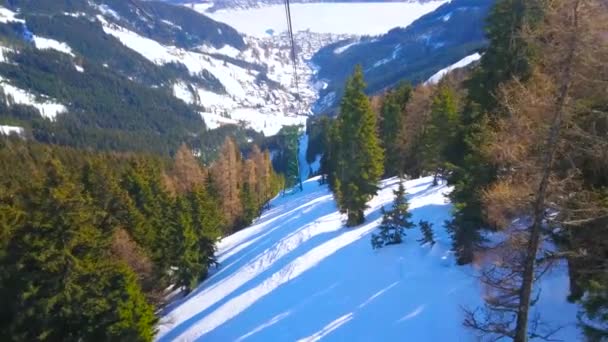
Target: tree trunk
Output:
[{"x": 521, "y": 330}]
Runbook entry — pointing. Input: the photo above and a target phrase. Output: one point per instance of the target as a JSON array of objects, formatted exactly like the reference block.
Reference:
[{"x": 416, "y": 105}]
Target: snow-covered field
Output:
[
  {"x": 371, "y": 18},
  {"x": 298, "y": 274}
]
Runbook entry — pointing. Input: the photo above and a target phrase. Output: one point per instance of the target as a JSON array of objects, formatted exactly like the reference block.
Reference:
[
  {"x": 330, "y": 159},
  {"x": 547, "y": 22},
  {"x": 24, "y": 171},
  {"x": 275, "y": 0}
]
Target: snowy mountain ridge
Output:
[{"x": 298, "y": 274}]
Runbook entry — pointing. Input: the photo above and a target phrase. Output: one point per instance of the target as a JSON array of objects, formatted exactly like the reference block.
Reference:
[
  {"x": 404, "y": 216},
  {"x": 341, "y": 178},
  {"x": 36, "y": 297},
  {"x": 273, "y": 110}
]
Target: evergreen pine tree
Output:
[
  {"x": 358, "y": 155},
  {"x": 393, "y": 115},
  {"x": 250, "y": 207},
  {"x": 57, "y": 282},
  {"x": 189, "y": 267},
  {"x": 442, "y": 129},
  {"x": 208, "y": 223},
  {"x": 394, "y": 221},
  {"x": 427, "y": 233},
  {"x": 115, "y": 309},
  {"x": 291, "y": 145}
]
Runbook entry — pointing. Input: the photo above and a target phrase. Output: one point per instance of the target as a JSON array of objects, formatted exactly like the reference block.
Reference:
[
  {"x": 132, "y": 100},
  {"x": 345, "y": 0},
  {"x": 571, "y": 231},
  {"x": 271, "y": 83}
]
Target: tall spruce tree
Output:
[
  {"x": 189, "y": 266},
  {"x": 393, "y": 116},
  {"x": 441, "y": 132},
  {"x": 208, "y": 224},
  {"x": 290, "y": 145},
  {"x": 358, "y": 156}
]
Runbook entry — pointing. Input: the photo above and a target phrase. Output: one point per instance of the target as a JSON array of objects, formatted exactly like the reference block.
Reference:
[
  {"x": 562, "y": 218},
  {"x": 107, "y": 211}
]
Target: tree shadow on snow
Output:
[
  {"x": 339, "y": 295},
  {"x": 349, "y": 290}
]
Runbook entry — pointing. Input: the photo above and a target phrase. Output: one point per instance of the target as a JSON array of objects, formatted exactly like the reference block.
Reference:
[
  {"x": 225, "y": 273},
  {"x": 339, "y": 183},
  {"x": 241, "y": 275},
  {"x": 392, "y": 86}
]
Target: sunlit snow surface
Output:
[
  {"x": 343, "y": 18},
  {"x": 8, "y": 130},
  {"x": 47, "y": 43},
  {"x": 460, "y": 64},
  {"x": 299, "y": 274}
]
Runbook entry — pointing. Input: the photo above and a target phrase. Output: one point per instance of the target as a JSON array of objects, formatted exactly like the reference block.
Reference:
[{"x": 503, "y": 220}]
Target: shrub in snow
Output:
[
  {"x": 394, "y": 221},
  {"x": 427, "y": 233}
]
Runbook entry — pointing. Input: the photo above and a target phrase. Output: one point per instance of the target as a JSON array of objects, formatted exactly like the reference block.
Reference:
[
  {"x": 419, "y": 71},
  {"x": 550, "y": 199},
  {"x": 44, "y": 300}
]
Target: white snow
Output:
[
  {"x": 78, "y": 68},
  {"x": 226, "y": 50},
  {"x": 107, "y": 10},
  {"x": 75, "y": 14},
  {"x": 171, "y": 24},
  {"x": 305, "y": 167},
  {"x": 47, "y": 43},
  {"x": 341, "y": 49},
  {"x": 343, "y": 18},
  {"x": 228, "y": 74},
  {"x": 213, "y": 120},
  {"x": 181, "y": 91},
  {"x": 3, "y": 51},
  {"x": 299, "y": 274},
  {"x": 460, "y": 64},
  {"x": 8, "y": 130},
  {"x": 393, "y": 56},
  {"x": 302, "y": 162},
  {"x": 382, "y": 62},
  {"x": 7, "y": 15},
  {"x": 48, "y": 108},
  {"x": 269, "y": 124},
  {"x": 263, "y": 106}
]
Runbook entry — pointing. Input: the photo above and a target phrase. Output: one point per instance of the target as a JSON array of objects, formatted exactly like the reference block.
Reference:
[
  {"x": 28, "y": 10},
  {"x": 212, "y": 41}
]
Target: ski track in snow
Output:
[{"x": 298, "y": 274}]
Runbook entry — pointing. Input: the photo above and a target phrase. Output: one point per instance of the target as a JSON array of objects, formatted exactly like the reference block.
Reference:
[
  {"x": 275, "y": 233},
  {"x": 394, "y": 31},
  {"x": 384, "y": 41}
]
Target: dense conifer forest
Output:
[{"x": 92, "y": 242}]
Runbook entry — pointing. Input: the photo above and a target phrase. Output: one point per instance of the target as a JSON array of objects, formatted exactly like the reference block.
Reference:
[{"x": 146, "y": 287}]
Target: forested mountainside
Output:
[
  {"x": 414, "y": 53},
  {"x": 132, "y": 76}
]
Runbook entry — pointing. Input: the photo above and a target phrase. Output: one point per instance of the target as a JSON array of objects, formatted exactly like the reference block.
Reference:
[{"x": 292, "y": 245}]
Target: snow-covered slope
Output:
[
  {"x": 47, "y": 107},
  {"x": 299, "y": 274},
  {"x": 264, "y": 106},
  {"x": 460, "y": 64}
]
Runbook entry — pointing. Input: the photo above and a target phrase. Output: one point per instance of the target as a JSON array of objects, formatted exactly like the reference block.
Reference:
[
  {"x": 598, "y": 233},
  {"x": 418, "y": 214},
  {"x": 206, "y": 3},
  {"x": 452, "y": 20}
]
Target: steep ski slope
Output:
[{"x": 299, "y": 274}]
